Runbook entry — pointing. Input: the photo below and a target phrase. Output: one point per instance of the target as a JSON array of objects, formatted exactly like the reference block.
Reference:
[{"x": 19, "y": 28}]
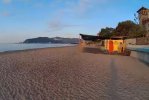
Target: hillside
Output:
[{"x": 52, "y": 40}]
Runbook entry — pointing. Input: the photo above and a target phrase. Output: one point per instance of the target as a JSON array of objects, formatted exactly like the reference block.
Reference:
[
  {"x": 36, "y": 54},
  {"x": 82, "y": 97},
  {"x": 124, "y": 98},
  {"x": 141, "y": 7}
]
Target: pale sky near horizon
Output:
[{"x": 22, "y": 19}]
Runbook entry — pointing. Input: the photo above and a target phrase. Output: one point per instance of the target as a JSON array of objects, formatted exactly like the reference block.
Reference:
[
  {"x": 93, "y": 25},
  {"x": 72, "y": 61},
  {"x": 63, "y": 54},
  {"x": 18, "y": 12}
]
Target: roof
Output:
[
  {"x": 142, "y": 8},
  {"x": 94, "y": 38},
  {"x": 91, "y": 37},
  {"x": 119, "y": 37}
]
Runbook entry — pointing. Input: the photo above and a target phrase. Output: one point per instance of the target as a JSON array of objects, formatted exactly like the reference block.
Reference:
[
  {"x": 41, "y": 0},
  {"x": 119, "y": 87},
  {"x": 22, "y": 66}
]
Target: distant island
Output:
[{"x": 52, "y": 40}]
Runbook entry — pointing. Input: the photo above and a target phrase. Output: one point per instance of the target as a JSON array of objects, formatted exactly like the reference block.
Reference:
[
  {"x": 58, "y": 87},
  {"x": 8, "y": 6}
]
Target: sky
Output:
[{"x": 23, "y": 19}]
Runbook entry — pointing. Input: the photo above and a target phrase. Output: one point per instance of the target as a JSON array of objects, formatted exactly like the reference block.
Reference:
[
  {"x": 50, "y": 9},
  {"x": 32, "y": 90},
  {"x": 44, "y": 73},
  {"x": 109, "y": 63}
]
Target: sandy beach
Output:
[{"x": 70, "y": 73}]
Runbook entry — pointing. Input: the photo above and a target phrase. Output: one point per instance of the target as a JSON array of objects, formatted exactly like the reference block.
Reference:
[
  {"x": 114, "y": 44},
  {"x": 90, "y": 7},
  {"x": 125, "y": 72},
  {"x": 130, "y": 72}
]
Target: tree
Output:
[
  {"x": 129, "y": 29},
  {"x": 126, "y": 28},
  {"x": 106, "y": 32},
  {"x": 136, "y": 19}
]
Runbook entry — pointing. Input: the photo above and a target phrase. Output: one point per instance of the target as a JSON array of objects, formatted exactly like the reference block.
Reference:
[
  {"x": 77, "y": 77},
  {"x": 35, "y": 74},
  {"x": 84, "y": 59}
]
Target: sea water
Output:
[{"x": 21, "y": 46}]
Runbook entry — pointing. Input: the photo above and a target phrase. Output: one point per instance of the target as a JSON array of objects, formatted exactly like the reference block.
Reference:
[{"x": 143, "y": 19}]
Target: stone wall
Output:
[
  {"x": 142, "y": 41},
  {"x": 130, "y": 41},
  {"x": 143, "y": 56},
  {"x": 138, "y": 41}
]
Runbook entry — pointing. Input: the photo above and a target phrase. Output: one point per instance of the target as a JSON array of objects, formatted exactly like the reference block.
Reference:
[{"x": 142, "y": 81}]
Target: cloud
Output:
[
  {"x": 10, "y": 1},
  {"x": 5, "y": 14},
  {"x": 58, "y": 25},
  {"x": 7, "y": 1},
  {"x": 83, "y": 6},
  {"x": 39, "y": 5},
  {"x": 80, "y": 7},
  {"x": 72, "y": 8}
]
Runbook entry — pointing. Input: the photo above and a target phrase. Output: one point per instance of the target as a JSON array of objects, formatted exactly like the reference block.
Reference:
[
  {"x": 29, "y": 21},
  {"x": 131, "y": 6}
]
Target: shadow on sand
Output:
[
  {"x": 94, "y": 50},
  {"x": 113, "y": 88},
  {"x": 100, "y": 50}
]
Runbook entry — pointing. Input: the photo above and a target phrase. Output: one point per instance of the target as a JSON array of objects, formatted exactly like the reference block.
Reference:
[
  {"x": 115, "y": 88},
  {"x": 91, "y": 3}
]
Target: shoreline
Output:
[
  {"x": 65, "y": 47},
  {"x": 34, "y": 49}
]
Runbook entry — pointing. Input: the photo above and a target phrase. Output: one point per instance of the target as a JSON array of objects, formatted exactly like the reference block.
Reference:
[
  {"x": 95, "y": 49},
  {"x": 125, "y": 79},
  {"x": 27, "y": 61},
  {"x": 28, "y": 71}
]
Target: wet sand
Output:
[{"x": 70, "y": 73}]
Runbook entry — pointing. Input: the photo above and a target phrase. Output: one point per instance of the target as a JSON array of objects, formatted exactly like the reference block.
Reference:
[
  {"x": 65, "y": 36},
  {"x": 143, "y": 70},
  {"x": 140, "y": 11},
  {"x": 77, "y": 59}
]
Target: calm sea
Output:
[{"x": 15, "y": 47}]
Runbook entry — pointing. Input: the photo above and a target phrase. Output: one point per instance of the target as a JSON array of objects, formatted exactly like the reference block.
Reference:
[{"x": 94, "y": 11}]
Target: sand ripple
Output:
[{"x": 68, "y": 74}]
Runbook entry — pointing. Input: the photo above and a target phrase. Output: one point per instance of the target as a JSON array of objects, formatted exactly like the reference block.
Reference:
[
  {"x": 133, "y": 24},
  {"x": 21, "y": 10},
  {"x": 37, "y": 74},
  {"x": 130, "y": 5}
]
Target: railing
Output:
[{"x": 140, "y": 52}]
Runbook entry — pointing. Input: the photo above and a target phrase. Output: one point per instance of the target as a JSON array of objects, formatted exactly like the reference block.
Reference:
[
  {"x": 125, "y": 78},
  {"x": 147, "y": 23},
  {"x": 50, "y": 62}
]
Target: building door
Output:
[{"x": 111, "y": 47}]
